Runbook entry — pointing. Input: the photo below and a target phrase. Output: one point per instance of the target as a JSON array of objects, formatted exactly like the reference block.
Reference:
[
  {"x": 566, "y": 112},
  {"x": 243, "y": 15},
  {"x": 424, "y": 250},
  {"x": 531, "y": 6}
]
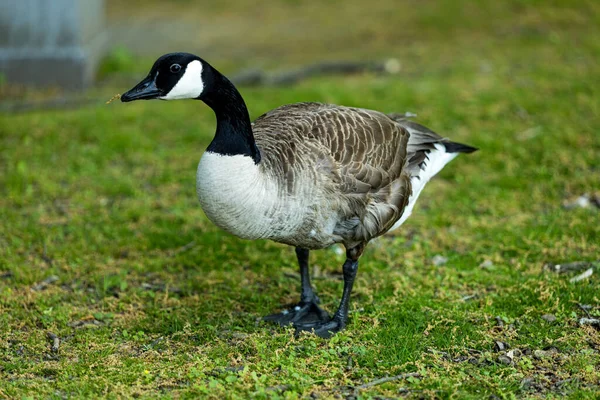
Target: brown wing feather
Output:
[{"x": 361, "y": 153}]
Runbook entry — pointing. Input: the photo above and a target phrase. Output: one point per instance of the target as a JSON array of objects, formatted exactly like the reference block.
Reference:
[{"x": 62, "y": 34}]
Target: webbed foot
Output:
[
  {"x": 303, "y": 313},
  {"x": 324, "y": 329}
]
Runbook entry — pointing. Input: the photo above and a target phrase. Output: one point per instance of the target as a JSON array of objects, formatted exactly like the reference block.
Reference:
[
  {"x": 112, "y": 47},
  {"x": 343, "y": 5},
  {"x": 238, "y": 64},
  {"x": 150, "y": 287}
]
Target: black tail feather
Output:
[{"x": 453, "y": 147}]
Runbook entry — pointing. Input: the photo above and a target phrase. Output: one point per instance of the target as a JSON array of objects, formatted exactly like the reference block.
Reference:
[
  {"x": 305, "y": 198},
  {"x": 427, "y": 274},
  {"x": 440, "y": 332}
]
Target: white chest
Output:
[{"x": 239, "y": 198}]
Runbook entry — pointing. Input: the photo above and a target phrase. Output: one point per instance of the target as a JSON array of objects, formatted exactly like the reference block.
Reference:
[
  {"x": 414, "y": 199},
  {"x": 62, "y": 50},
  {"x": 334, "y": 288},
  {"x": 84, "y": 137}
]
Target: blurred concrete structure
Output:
[{"x": 51, "y": 42}]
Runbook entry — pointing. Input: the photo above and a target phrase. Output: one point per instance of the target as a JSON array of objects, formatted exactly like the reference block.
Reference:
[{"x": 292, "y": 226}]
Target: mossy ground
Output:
[{"x": 102, "y": 241}]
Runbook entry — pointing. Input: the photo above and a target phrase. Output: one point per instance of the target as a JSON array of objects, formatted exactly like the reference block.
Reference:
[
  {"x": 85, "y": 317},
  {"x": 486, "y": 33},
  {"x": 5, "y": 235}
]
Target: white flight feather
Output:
[{"x": 437, "y": 159}]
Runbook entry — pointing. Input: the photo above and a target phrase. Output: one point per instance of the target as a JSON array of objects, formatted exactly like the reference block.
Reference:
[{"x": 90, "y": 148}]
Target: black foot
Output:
[
  {"x": 324, "y": 329},
  {"x": 303, "y": 313}
]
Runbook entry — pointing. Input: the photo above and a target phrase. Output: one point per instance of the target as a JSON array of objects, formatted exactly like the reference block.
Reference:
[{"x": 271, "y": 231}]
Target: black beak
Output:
[{"x": 145, "y": 90}]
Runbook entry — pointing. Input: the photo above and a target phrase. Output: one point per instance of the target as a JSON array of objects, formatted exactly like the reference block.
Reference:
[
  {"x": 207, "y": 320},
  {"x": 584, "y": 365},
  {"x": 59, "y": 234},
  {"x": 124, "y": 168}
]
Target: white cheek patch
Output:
[{"x": 190, "y": 85}]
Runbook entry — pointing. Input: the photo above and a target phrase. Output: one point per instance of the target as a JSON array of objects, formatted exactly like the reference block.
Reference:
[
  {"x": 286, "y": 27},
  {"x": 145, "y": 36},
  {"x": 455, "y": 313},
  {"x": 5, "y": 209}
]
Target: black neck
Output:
[{"x": 234, "y": 130}]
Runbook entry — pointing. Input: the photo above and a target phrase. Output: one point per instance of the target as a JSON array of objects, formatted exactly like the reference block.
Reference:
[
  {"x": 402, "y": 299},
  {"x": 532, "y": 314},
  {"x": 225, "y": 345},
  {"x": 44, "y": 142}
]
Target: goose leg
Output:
[
  {"x": 307, "y": 310},
  {"x": 326, "y": 329}
]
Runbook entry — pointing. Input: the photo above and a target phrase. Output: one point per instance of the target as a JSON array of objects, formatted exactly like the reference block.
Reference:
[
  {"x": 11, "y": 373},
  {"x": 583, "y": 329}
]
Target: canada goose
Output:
[{"x": 308, "y": 174}]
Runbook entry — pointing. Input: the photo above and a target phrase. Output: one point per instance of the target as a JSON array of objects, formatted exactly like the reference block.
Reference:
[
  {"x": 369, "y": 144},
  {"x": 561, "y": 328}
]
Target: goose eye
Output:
[{"x": 175, "y": 68}]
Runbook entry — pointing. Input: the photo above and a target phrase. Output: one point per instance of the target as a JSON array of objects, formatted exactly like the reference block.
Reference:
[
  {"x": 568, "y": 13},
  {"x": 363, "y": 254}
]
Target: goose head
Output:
[
  {"x": 173, "y": 76},
  {"x": 186, "y": 76}
]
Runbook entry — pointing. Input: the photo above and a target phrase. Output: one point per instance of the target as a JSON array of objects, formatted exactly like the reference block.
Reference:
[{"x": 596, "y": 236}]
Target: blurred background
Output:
[{"x": 80, "y": 44}]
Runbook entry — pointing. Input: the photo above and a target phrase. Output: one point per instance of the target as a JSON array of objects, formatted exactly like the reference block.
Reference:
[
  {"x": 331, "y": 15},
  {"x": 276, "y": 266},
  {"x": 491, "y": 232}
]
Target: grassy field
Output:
[{"x": 103, "y": 244}]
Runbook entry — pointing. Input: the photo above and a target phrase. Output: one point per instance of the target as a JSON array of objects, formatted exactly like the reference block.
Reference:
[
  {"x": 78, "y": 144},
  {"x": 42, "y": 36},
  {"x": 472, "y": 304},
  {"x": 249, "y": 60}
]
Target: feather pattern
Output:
[
  {"x": 328, "y": 174},
  {"x": 349, "y": 162}
]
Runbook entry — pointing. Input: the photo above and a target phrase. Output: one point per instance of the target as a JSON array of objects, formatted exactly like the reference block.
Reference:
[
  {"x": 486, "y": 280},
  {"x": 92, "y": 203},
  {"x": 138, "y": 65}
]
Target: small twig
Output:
[
  {"x": 150, "y": 346},
  {"x": 434, "y": 351},
  {"x": 571, "y": 267},
  {"x": 584, "y": 309},
  {"x": 47, "y": 259},
  {"x": 85, "y": 322},
  {"x": 184, "y": 248},
  {"x": 160, "y": 287},
  {"x": 116, "y": 96},
  {"x": 278, "y": 388},
  {"x": 560, "y": 383},
  {"x": 256, "y": 77},
  {"x": 590, "y": 321},
  {"x": 474, "y": 351},
  {"x": 55, "y": 341},
  {"x": 470, "y": 297},
  {"x": 45, "y": 283},
  {"x": 388, "y": 379},
  {"x": 6, "y": 275},
  {"x": 588, "y": 272},
  {"x": 349, "y": 363}
]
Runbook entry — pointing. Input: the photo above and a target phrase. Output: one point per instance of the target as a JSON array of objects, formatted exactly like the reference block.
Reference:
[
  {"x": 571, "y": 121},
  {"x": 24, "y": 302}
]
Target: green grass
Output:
[{"x": 150, "y": 299}]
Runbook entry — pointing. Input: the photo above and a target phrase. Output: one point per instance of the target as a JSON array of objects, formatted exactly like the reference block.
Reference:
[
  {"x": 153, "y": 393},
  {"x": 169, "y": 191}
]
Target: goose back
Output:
[{"x": 350, "y": 161}]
